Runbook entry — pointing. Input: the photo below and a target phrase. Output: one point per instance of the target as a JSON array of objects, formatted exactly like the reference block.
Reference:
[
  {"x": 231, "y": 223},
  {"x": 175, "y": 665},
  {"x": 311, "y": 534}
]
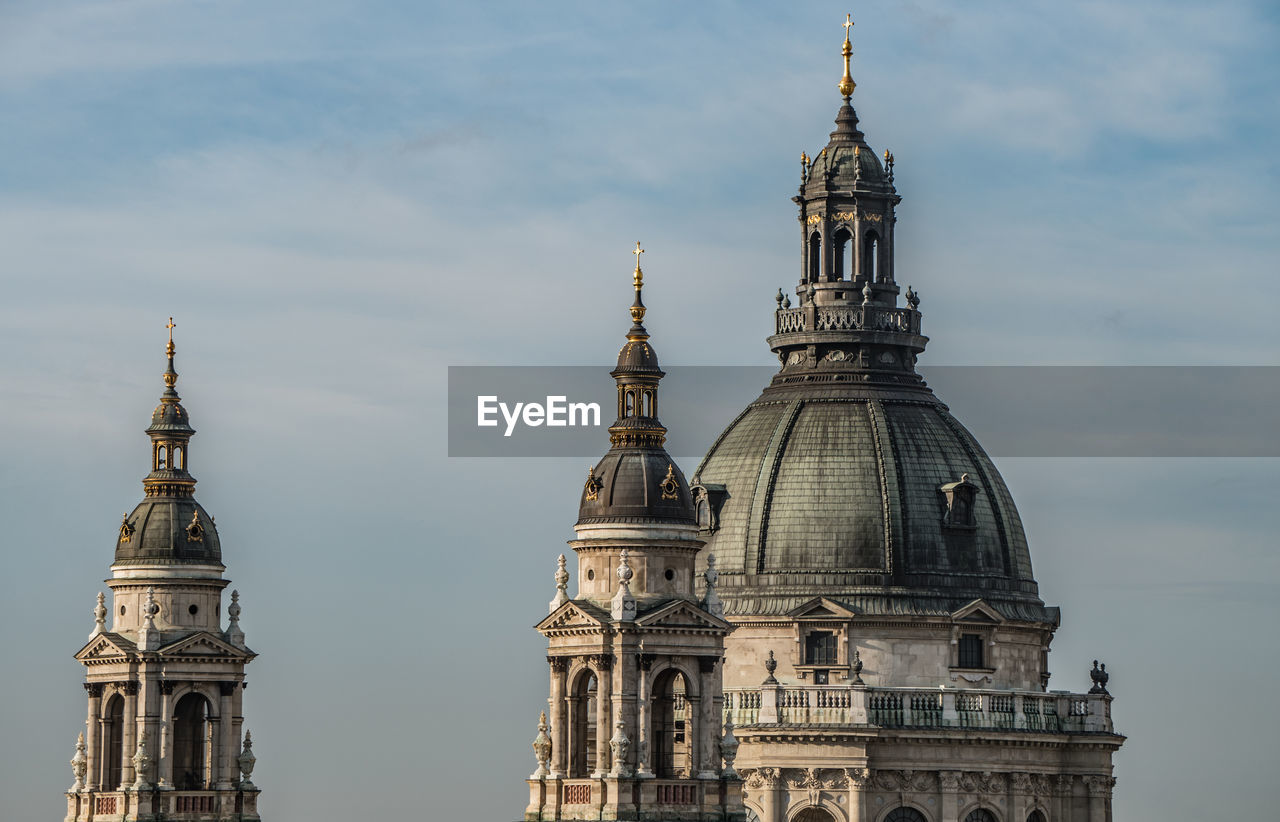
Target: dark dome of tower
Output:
[
  {"x": 843, "y": 492},
  {"x": 637, "y": 357},
  {"x": 636, "y": 485},
  {"x": 163, "y": 531}
]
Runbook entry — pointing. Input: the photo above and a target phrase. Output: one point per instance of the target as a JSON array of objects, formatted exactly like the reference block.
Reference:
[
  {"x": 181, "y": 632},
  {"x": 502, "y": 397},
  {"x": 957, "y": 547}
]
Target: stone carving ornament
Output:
[
  {"x": 246, "y": 760},
  {"x": 142, "y": 762},
  {"x": 620, "y": 744},
  {"x": 79, "y": 764},
  {"x": 542, "y": 748},
  {"x": 729, "y": 749},
  {"x": 1021, "y": 782}
]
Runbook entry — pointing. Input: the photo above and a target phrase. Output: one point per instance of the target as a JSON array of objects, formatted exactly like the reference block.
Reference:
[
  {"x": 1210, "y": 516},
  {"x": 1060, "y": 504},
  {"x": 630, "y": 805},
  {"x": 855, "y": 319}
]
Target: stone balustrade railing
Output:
[
  {"x": 846, "y": 318},
  {"x": 919, "y": 708}
]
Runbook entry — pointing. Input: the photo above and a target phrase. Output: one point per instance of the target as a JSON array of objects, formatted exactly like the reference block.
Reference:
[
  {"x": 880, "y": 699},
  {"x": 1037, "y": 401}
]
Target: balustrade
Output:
[
  {"x": 921, "y": 708},
  {"x": 848, "y": 318}
]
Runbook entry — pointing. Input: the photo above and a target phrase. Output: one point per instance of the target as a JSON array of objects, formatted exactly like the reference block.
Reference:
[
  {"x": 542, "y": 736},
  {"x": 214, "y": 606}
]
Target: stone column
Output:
[
  {"x": 604, "y": 692},
  {"x": 771, "y": 782},
  {"x": 226, "y": 735},
  {"x": 858, "y": 778},
  {"x": 129, "y": 733},
  {"x": 559, "y": 725},
  {"x": 1099, "y": 793},
  {"x": 644, "y": 731},
  {"x": 91, "y": 736},
  {"x": 164, "y": 750},
  {"x": 949, "y": 785},
  {"x": 708, "y": 722}
]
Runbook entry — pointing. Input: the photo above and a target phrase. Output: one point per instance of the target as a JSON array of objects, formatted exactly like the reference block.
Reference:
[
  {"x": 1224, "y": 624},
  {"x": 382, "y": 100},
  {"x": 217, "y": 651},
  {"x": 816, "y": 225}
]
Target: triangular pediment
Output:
[
  {"x": 106, "y": 646},
  {"x": 821, "y": 608},
  {"x": 571, "y": 616},
  {"x": 978, "y": 611},
  {"x": 682, "y": 614},
  {"x": 202, "y": 644}
]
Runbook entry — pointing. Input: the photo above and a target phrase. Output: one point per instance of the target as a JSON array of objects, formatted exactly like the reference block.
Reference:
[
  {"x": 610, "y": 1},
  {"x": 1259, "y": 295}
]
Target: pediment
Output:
[
  {"x": 682, "y": 614},
  {"x": 202, "y": 644},
  {"x": 978, "y": 611},
  {"x": 106, "y": 646},
  {"x": 821, "y": 608},
  {"x": 572, "y": 616}
]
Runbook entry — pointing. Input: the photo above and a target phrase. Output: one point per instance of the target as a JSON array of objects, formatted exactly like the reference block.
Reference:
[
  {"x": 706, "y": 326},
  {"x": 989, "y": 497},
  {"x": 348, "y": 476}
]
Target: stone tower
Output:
[
  {"x": 165, "y": 680},
  {"x": 635, "y": 729},
  {"x": 889, "y": 661}
]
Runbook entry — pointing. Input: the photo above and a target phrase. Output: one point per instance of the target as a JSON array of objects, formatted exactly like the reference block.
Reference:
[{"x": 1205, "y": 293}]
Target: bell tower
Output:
[
  {"x": 635, "y": 729},
  {"x": 165, "y": 679}
]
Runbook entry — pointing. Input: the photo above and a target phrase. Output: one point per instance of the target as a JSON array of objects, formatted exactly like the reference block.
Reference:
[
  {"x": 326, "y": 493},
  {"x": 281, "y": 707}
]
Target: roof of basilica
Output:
[{"x": 847, "y": 478}]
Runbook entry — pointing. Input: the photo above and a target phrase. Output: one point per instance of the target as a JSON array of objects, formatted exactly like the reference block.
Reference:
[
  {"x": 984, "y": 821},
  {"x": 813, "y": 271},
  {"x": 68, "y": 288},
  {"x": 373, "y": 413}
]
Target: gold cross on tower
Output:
[
  {"x": 172, "y": 325},
  {"x": 639, "y": 276},
  {"x": 846, "y": 82},
  {"x": 848, "y": 24}
]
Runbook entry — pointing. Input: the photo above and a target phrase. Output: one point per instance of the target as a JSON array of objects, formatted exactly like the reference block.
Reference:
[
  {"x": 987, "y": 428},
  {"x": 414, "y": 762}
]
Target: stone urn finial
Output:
[
  {"x": 1099, "y": 676},
  {"x": 624, "y": 604},
  {"x": 562, "y": 583},
  {"x": 620, "y": 744},
  {"x": 542, "y": 747},
  {"x": 246, "y": 760},
  {"x": 79, "y": 763},
  {"x": 857, "y": 668},
  {"x": 771, "y": 665},
  {"x": 99, "y": 616},
  {"x": 234, "y": 635},
  {"x": 867, "y": 293},
  {"x": 142, "y": 762},
  {"x": 729, "y": 749}
]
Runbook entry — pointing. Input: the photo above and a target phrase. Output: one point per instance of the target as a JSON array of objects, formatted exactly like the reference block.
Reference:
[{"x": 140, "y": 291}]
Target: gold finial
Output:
[
  {"x": 170, "y": 376},
  {"x": 846, "y": 83},
  {"x": 637, "y": 308}
]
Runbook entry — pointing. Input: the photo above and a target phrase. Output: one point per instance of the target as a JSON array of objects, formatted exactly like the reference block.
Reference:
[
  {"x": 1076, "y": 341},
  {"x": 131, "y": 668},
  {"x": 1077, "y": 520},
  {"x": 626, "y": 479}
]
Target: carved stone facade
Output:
[{"x": 165, "y": 681}]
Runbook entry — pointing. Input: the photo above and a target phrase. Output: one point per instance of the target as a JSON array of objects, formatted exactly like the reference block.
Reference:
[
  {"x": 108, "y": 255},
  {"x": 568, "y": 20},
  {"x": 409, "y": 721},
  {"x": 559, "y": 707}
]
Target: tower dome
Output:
[
  {"x": 848, "y": 478},
  {"x": 169, "y": 527},
  {"x": 636, "y": 481}
]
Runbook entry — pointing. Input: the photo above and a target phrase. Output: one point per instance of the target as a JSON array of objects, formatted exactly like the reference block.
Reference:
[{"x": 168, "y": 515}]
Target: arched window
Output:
[
  {"x": 631, "y": 403},
  {"x": 190, "y": 741},
  {"x": 871, "y": 256},
  {"x": 813, "y": 815},
  {"x": 162, "y": 458},
  {"x": 842, "y": 254},
  {"x": 1035, "y": 816},
  {"x": 582, "y": 726},
  {"x": 180, "y": 459},
  {"x": 113, "y": 744},
  {"x": 815, "y": 256},
  {"x": 704, "y": 513},
  {"x": 905, "y": 815},
  {"x": 672, "y": 727},
  {"x": 980, "y": 815}
]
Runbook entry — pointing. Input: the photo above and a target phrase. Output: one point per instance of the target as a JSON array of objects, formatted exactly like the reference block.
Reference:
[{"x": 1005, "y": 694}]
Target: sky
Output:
[{"x": 338, "y": 200}]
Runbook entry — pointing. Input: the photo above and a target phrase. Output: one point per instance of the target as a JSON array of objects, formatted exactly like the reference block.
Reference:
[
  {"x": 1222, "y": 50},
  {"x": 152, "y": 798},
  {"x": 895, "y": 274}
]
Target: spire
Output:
[
  {"x": 170, "y": 432},
  {"x": 846, "y": 83},
  {"x": 637, "y": 331}
]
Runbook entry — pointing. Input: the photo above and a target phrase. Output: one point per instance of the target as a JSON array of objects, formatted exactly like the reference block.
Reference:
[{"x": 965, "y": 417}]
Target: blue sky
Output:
[{"x": 338, "y": 200}]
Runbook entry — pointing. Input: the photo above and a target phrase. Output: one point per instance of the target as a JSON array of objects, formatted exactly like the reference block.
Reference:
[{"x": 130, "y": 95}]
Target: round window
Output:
[
  {"x": 670, "y": 574},
  {"x": 591, "y": 574},
  {"x": 121, "y": 610},
  {"x": 193, "y": 609}
]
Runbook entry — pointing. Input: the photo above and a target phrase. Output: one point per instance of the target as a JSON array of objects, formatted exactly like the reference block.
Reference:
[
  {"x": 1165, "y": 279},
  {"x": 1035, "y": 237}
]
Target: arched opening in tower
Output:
[
  {"x": 813, "y": 815},
  {"x": 842, "y": 255},
  {"x": 113, "y": 744},
  {"x": 871, "y": 256},
  {"x": 191, "y": 760},
  {"x": 815, "y": 256},
  {"x": 582, "y": 725},
  {"x": 672, "y": 727}
]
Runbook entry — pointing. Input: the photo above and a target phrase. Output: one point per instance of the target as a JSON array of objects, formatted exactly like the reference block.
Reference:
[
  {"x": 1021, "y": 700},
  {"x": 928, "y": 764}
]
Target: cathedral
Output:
[
  {"x": 835, "y": 619},
  {"x": 165, "y": 681}
]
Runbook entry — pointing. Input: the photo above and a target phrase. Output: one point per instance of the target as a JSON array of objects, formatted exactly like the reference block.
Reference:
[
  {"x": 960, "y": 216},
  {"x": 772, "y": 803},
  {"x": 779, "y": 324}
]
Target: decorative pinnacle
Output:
[
  {"x": 170, "y": 376},
  {"x": 637, "y": 331},
  {"x": 846, "y": 83}
]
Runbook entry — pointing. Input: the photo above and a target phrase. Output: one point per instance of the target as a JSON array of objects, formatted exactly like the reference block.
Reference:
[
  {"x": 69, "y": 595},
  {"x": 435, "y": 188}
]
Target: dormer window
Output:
[
  {"x": 960, "y": 498},
  {"x": 820, "y": 648}
]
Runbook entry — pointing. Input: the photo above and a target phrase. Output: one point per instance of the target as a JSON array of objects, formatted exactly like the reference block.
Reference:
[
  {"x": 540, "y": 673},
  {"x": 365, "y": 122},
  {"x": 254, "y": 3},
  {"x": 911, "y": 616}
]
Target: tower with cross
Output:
[{"x": 164, "y": 665}]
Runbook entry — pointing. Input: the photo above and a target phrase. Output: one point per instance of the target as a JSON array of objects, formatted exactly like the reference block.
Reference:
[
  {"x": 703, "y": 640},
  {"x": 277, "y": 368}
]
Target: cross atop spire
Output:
[
  {"x": 846, "y": 83},
  {"x": 637, "y": 308}
]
